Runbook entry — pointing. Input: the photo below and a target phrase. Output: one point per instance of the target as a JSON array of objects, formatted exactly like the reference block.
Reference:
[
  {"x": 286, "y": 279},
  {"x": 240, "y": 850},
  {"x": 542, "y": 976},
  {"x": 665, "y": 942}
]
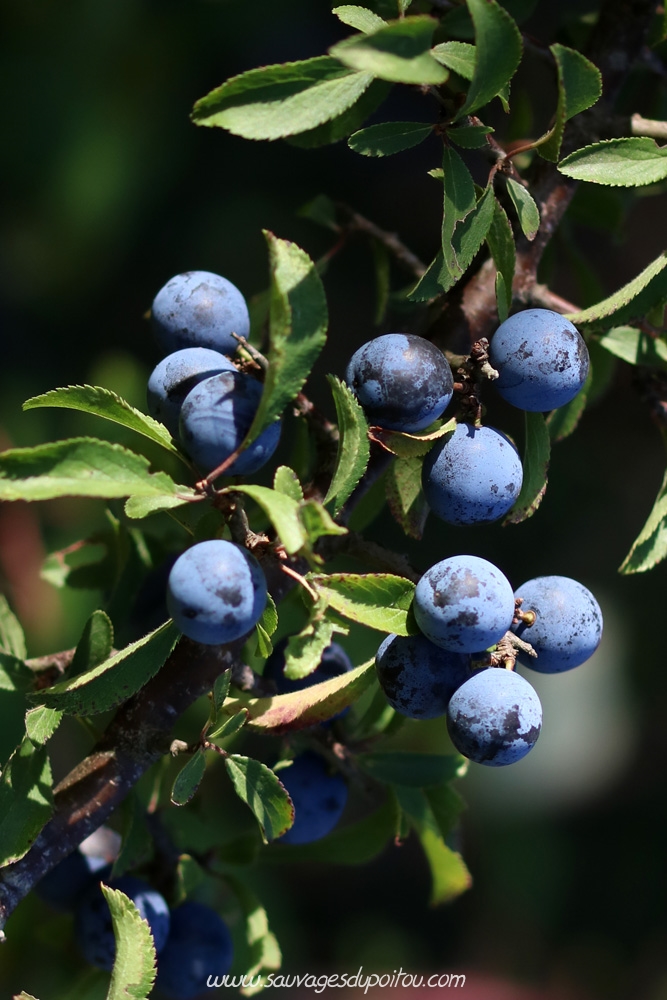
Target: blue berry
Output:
[
  {"x": 541, "y": 358},
  {"x": 319, "y": 798},
  {"x": 174, "y": 377},
  {"x": 215, "y": 418},
  {"x": 568, "y": 626},
  {"x": 464, "y": 604},
  {"x": 93, "y": 926},
  {"x": 495, "y": 717},
  {"x": 199, "y": 309},
  {"x": 216, "y": 592},
  {"x": 403, "y": 382},
  {"x": 417, "y": 677},
  {"x": 199, "y": 945},
  {"x": 66, "y": 883},
  {"x": 472, "y": 476}
]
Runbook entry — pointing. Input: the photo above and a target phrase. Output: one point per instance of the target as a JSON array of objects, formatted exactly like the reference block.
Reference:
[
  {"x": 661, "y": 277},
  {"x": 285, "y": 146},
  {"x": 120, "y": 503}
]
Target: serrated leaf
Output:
[
  {"x": 579, "y": 87},
  {"x": 359, "y": 17},
  {"x": 12, "y": 639},
  {"x": 537, "y": 449},
  {"x": 355, "y": 844},
  {"x": 79, "y": 467},
  {"x": 388, "y": 138},
  {"x": 470, "y": 136},
  {"x": 449, "y": 875},
  {"x": 353, "y": 444},
  {"x": 134, "y": 968},
  {"x": 416, "y": 770},
  {"x": 317, "y": 521},
  {"x": 107, "y": 404},
  {"x": 14, "y": 674},
  {"x": 470, "y": 233},
  {"x": 457, "y": 56},
  {"x": 263, "y": 792},
  {"x": 286, "y": 481},
  {"x": 563, "y": 421},
  {"x": 498, "y": 50},
  {"x": 650, "y": 546},
  {"x": 405, "y": 496},
  {"x": 429, "y": 286},
  {"x": 221, "y": 689},
  {"x": 264, "y": 645},
  {"x": 26, "y": 800},
  {"x": 229, "y": 727},
  {"x": 114, "y": 680},
  {"x": 378, "y": 600},
  {"x": 262, "y": 952},
  {"x": 632, "y": 161},
  {"x": 633, "y": 346},
  {"x": 298, "y": 329},
  {"x": 188, "y": 779},
  {"x": 631, "y": 301},
  {"x": 500, "y": 240},
  {"x": 343, "y": 125},
  {"x": 304, "y": 651},
  {"x": 526, "y": 209},
  {"x": 273, "y": 102},
  {"x": 412, "y": 445},
  {"x": 398, "y": 52},
  {"x": 317, "y": 703},
  {"x": 282, "y": 511},
  {"x": 269, "y": 619},
  {"x": 41, "y": 723},
  {"x": 459, "y": 202},
  {"x": 138, "y": 507},
  {"x": 95, "y": 644}
]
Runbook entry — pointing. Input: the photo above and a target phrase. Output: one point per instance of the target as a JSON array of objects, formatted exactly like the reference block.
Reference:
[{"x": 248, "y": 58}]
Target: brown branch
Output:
[{"x": 404, "y": 256}]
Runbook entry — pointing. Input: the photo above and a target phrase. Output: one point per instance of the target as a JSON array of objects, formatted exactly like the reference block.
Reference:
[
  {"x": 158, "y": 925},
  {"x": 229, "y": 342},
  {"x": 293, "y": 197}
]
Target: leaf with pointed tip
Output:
[
  {"x": 26, "y": 800},
  {"x": 629, "y": 302},
  {"x": 537, "y": 449},
  {"x": 12, "y": 639},
  {"x": 563, "y": 421},
  {"x": 78, "y": 467},
  {"x": 650, "y": 546},
  {"x": 360, "y": 18},
  {"x": 317, "y": 521},
  {"x": 116, "y": 679},
  {"x": 269, "y": 619},
  {"x": 500, "y": 240},
  {"x": 273, "y": 102},
  {"x": 138, "y": 507},
  {"x": 95, "y": 644},
  {"x": 263, "y": 792},
  {"x": 41, "y": 723},
  {"x": 344, "y": 125},
  {"x": 498, "y": 50},
  {"x": 230, "y": 727},
  {"x": 633, "y": 346},
  {"x": 137, "y": 846},
  {"x": 134, "y": 967},
  {"x": 380, "y": 600},
  {"x": 526, "y": 209},
  {"x": 188, "y": 779},
  {"x": 353, "y": 444},
  {"x": 389, "y": 137},
  {"x": 457, "y": 56},
  {"x": 631, "y": 161},
  {"x": 221, "y": 689},
  {"x": 282, "y": 511},
  {"x": 579, "y": 87},
  {"x": 398, "y": 52},
  {"x": 286, "y": 481},
  {"x": 303, "y": 653},
  {"x": 470, "y": 136},
  {"x": 413, "y": 445},
  {"x": 264, "y": 645},
  {"x": 405, "y": 495},
  {"x": 449, "y": 875},
  {"x": 459, "y": 203},
  {"x": 109, "y": 405}
]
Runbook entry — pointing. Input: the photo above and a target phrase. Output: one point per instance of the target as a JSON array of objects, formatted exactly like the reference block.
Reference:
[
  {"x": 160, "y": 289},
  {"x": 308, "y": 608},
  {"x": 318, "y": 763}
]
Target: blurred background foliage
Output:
[{"x": 108, "y": 192}]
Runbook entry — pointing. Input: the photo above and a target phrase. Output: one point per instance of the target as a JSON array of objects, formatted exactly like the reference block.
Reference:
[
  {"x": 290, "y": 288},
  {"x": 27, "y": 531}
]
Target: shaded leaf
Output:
[
  {"x": 382, "y": 262},
  {"x": 459, "y": 202},
  {"x": 134, "y": 968},
  {"x": 137, "y": 843},
  {"x": 457, "y": 56},
  {"x": 650, "y": 546},
  {"x": 229, "y": 727},
  {"x": 631, "y": 161},
  {"x": 630, "y": 301},
  {"x": 317, "y": 521},
  {"x": 470, "y": 136},
  {"x": 563, "y": 421},
  {"x": 417, "y": 770},
  {"x": 14, "y": 674},
  {"x": 449, "y": 875},
  {"x": 413, "y": 445},
  {"x": 579, "y": 87},
  {"x": 498, "y": 50},
  {"x": 12, "y": 639},
  {"x": 537, "y": 449},
  {"x": 389, "y": 137},
  {"x": 286, "y": 481},
  {"x": 261, "y": 951},
  {"x": 405, "y": 496},
  {"x": 41, "y": 723},
  {"x": 359, "y": 17},
  {"x": 398, "y": 52},
  {"x": 304, "y": 651},
  {"x": 526, "y": 209},
  {"x": 633, "y": 346},
  {"x": 26, "y": 800},
  {"x": 263, "y": 792},
  {"x": 353, "y": 444},
  {"x": 282, "y": 511},
  {"x": 379, "y": 600},
  {"x": 221, "y": 689},
  {"x": 95, "y": 644},
  {"x": 349, "y": 121},
  {"x": 500, "y": 240},
  {"x": 188, "y": 779}
]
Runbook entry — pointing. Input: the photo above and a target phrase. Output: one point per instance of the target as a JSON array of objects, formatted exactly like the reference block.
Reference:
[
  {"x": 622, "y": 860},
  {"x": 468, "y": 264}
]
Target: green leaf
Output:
[
  {"x": 273, "y": 102},
  {"x": 579, "y": 87},
  {"x": 359, "y": 17},
  {"x": 429, "y": 285},
  {"x": 286, "y": 481},
  {"x": 633, "y": 346},
  {"x": 261, "y": 951},
  {"x": 269, "y": 619},
  {"x": 378, "y": 600},
  {"x": 389, "y": 137},
  {"x": 41, "y": 723},
  {"x": 343, "y": 125},
  {"x": 317, "y": 521},
  {"x": 304, "y": 651},
  {"x": 459, "y": 202},
  {"x": 282, "y": 511},
  {"x": 26, "y": 800},
  {"x": 105, "y": 403},
  {"x": 417, "y": 770},
  {"x": 449, "y": 875},
  {"x": 137, "y": 844},
  {"x": 398, "y": 52},
  {"x": 221, "y": 689},
  {"x": 498, "y": 50},
  {"x": 526, "y": 209},
  {"x": 188, "y": 779},
  {"x": 446, "y": 806},
  {"x": 24, "y": 996},
  {"x": 317, "y": 703},
  {"x": 263, "y": 792},
  {"x": 537, "y": 449},
  {"x": 500, "y": 240},
  {"x": 14, "y": 675},
  {"x": 298, "y": 329},
  {"x": 12, "y": 639},
  {"x": 563, "y": 421},
  {"x": 457, "y": 56},
  {"x": 382, "y": 262},
  {"x": 228, "y": 728},
  {"x": 353, "y": 444},
  {"x": 138, "y": 507},
  {"x": 625, "y": 162},
  {"x": 470, "y": 136},
  {"x": 115, "y": 680},
  {"x": 79, "y": 467},
  {"x": 413, "y": 445},
  {"x": 405, "y": 496},
  {"x": 134, "y": 968},
  {"x": 95, "y": 644},
  {"x": 469, "y": 236},
  {"x": 631, "y": 301},
  {"x": 264, "y": 644},
  {"x": 650, "y": 546},
  {"x": 355, "y": 844}
]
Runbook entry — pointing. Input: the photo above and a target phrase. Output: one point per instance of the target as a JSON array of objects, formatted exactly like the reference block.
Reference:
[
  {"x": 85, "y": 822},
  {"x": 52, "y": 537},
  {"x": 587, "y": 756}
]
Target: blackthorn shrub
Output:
[
  {"x": 199, "y": 309},
  {"x": 173, "y": 378},
  {"x": 93, "y": 926},
  {"x": 568, "y": 624}
]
